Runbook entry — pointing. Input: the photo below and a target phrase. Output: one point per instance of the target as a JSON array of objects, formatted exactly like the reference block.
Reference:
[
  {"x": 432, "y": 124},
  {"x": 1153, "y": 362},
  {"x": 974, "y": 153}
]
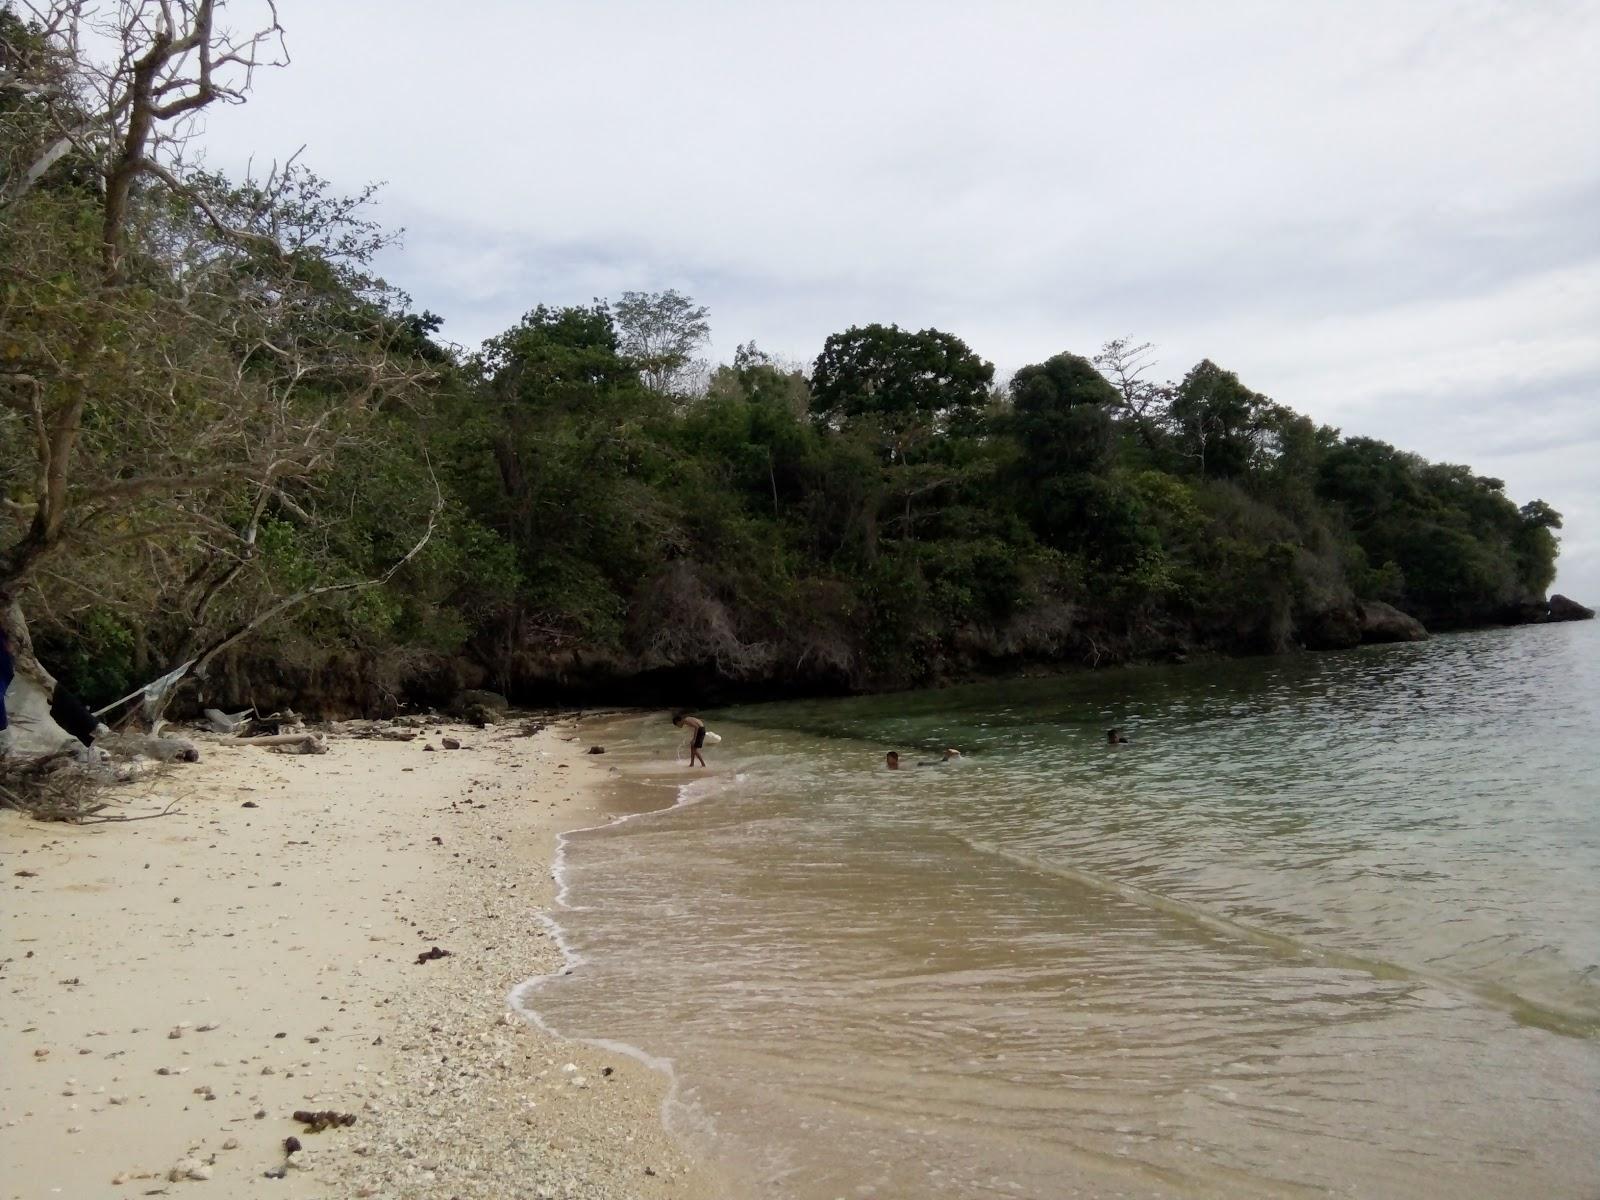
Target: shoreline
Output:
[
  {"x": 287, "y": 977},
  {"x": 637, "y": 782}
]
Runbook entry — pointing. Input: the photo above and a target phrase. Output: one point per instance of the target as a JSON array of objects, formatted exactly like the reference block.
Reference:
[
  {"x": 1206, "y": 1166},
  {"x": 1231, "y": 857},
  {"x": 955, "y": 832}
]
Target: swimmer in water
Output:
[
  {"x": 891, "y": 760},
  {"x": 1114, "y": 738}
]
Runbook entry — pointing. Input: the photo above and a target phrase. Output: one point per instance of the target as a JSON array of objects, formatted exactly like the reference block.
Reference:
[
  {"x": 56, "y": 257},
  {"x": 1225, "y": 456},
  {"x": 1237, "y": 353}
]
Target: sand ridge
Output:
[{"x": 172, "y": 990}]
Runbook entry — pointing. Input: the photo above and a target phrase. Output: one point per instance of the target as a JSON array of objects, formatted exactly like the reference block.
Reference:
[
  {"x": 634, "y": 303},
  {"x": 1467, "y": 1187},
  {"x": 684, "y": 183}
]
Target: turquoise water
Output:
[{"x": 1329, "y": 925}]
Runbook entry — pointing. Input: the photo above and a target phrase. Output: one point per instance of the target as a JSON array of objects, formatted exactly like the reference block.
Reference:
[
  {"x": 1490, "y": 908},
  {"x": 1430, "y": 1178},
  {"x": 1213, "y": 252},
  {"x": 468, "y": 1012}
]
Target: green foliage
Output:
[
  {"x": 909, "y": 386},
  {"x": 97, "y": 657}
]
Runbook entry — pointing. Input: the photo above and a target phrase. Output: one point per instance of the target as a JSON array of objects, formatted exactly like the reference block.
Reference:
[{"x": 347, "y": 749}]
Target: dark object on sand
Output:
[
  {"x": 1564, "y": 609},
  {"x": 67, "y": 711},
  {"x": 595, "y": 750},
  {"x": 451, "y": 744},
  {"x": 430, "y": 955},
  {"x": 291, "y": 1144},
  {"x": 327, "y": 1118}
]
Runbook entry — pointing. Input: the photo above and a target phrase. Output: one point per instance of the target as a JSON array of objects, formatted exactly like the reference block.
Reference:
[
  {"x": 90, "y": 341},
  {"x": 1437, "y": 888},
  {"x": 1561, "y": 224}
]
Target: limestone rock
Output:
[
  {"x": 1564, "y": 609},
  {"x": 1382, "y": 622}
]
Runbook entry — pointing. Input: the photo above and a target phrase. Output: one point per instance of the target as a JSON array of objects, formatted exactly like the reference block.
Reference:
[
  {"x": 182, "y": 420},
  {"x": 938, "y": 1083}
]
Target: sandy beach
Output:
[{"x": 176, "y": 988}]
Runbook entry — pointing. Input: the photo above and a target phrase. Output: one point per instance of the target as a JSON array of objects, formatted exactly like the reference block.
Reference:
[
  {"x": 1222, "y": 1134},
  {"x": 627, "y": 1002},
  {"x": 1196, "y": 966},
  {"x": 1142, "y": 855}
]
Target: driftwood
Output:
[{"x": 306, "y": 743}]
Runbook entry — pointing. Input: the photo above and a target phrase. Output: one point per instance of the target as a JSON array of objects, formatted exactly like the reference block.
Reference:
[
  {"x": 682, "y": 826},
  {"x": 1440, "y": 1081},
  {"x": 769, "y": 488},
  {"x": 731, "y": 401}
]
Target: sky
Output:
[{"x": 1386, "y": 216}]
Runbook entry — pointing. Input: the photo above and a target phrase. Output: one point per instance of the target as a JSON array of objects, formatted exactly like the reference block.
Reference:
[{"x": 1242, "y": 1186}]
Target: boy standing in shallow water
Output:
[{"x": 699, "y": 727}]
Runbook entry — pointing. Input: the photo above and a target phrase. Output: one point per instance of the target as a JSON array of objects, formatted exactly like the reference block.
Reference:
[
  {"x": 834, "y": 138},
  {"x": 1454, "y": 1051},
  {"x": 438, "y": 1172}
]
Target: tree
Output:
[
  {"x": 1142, "y": 402},
  {"x": 912, "y": 385},
  {"x": 1062, "y": 421},
  {"x": 178, "y": 354},
  {"x": 660, "y": 332},
  {"x": 1536, "y": 545},
  {"x": 1218, "y": 422}
]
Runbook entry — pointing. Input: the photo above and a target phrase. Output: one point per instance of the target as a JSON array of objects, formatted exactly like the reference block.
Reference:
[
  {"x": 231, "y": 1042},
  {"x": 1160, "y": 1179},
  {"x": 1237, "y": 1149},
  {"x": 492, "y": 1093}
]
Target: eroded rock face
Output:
[
  {"x": 1563, "y": 609},
  {"x": 1336, "y": 628},
  {"x": 1382, "y": 622}
]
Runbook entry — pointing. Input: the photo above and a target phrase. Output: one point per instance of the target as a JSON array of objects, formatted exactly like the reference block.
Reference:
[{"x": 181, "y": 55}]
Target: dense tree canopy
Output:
[{"x": 212, "y": 413}]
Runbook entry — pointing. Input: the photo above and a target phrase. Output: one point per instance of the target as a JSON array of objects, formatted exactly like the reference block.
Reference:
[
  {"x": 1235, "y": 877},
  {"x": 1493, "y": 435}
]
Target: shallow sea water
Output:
[{"x": 1328, "y": 926}]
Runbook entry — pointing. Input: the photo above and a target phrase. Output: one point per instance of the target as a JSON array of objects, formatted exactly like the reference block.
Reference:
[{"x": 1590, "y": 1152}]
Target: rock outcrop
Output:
[
  {"x": 1563, "y": 609},
  {"x": 1382, "y": 622}
]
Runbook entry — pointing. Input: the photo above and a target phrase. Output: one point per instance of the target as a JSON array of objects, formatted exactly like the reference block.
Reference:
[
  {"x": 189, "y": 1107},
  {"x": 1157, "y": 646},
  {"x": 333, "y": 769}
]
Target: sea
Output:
[{"x": 1326, "y": 925}]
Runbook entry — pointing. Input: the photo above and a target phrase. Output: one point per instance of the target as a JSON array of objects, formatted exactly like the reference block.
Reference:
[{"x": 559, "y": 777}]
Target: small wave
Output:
[{"x": 1540, "y": 1013}]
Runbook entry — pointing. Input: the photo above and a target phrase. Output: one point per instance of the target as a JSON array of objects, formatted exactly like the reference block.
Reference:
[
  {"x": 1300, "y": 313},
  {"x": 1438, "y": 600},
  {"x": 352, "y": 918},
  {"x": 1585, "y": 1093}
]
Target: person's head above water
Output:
[
  {"x": 892, "y": 760},
  {"x": 951, "y": 754},
  {"x": 1114, "y": 737}
]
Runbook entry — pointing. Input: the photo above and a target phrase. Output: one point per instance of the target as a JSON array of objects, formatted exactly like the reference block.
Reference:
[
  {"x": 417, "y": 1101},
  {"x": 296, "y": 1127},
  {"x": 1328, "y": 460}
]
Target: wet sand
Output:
[{"x": 174, "y": 989}]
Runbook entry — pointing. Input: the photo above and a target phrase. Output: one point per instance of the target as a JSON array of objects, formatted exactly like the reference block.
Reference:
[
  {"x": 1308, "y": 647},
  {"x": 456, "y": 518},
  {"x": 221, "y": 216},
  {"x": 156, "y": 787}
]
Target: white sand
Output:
[{"x": 279, "y": 944}]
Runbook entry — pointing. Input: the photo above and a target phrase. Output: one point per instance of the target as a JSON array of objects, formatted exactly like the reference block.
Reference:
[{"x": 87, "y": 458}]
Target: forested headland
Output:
[{"x": 226, "y": 442}]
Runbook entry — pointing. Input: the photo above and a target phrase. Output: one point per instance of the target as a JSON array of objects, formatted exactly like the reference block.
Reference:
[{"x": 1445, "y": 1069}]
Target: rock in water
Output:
[
  {"x": 1382, "y": 622},
  {"x": 1563, "y": 609}
]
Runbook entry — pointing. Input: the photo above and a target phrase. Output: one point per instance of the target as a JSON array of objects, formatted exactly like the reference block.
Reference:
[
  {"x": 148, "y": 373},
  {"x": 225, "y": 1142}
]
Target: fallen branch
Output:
[
  {"x": 298, "y": 743},
  {"x": 118, "y": 817}
]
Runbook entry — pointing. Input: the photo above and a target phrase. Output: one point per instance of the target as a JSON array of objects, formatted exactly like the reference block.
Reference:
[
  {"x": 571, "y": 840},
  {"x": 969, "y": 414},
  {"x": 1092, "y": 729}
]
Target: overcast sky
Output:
[{"x": 1386, "y": 215}]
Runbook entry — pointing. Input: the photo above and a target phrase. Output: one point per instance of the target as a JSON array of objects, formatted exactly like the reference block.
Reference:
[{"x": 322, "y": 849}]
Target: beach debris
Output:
[
  {"x": 595, "y": 750},
  {"x": 249, "y": 804},
  {"x": 291, "y": 1144},
  {"x": 479, "y": 708},
  {"x": 154, "y": 745},
  {"x": 430, "y": 749},
  {"x": 287, "y": 743},
  {"x": 220, "y": 722},
  {"x": 451, "y": 743},
  {"x": 327, "y": 1118},
  {"x": 430, "y": 955},
  {"x": 231, "y": 1144},
  {"x": 189, "y": 1168},
  {"x": 287, "y": 721},
  {"x": 26, "y": 874}
]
